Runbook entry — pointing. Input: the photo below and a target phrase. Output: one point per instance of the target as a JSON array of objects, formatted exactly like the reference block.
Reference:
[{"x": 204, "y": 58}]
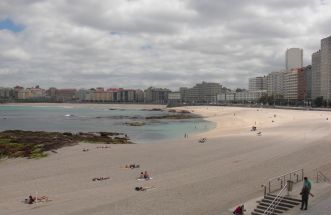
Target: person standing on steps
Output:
[{"x": 305, "y": 192}]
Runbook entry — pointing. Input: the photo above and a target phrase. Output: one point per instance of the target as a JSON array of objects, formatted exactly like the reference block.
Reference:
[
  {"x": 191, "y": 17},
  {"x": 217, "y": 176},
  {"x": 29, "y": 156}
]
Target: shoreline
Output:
[
  {"x": 226, "y": 170},
  {"x": 143, "y": 121}
]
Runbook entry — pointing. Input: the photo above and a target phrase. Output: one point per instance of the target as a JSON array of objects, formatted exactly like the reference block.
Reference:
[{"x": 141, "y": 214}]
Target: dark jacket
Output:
[{"x": 305, "y": 192}]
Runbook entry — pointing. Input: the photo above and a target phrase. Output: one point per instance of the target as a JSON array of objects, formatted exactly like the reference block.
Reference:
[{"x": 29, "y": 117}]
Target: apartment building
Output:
[
  {"x": 257, "y": 83},
  {"x": 6, "y": 93},
  {"x": 275, "y": 82},
  {"x": 293, "y": 58},
  {"x": 156, "y": 95},
  {"x": 202, "y": 93},
  {"x": 325, "y": 68}
]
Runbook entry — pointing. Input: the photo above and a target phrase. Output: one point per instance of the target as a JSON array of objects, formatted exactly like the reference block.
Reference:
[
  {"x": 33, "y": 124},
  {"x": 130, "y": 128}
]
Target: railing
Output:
[
  {"x": 320, "y": 177},
  {"x": 279, "y": 182},
  {"x": 274, "y": 204}
]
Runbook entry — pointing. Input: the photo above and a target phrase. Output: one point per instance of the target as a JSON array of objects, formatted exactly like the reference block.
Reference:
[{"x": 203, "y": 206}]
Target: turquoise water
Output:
[{"x": 81, "y": 119}]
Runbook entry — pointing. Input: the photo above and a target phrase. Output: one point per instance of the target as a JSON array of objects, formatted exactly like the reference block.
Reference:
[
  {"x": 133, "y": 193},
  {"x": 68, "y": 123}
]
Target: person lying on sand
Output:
[
  {"x": 85, "y": 150},
  {"x": 143, "y": 188},
  {"x": 100, "y": 178},
  {"x": 259, "y": 133},
  {"x": 132, "y": 166},
  {"x": 103, "y": 147},
  {"x": 33, "y": 199}
]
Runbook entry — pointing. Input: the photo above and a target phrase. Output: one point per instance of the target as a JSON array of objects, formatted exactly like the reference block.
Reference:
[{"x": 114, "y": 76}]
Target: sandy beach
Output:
[{"x": 189, "y": 177}]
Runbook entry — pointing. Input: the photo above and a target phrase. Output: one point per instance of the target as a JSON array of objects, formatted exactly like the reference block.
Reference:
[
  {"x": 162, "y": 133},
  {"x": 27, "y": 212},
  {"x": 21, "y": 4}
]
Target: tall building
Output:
[
  {"x": 325, "y": 68},
  {"x": 257, "y": 83},
  {"x": 307, "y": 79},
  {"x": 291, "y": 84},
  {"x": 275, "y": 82},
  {"x": 316, "y": 75},
  {"x": 293, "y": 58}
]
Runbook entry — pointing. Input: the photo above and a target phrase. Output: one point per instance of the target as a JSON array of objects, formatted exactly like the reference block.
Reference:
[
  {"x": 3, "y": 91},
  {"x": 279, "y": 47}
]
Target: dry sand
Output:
[{"x": 189, "y": 177}]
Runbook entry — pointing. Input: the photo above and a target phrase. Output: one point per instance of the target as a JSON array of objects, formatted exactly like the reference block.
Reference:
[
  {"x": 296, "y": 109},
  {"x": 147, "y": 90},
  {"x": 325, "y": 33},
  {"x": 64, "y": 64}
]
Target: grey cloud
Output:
[{"x": 144, "y": 43}]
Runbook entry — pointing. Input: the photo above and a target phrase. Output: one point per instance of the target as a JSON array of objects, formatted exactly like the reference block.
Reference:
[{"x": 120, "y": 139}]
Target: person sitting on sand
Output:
[
  {"x": 146, "y": 176},
  {"x": 141, "y": 176},
  {"x": 29, "y": 200},
  {"x": 239, "y": 210}
]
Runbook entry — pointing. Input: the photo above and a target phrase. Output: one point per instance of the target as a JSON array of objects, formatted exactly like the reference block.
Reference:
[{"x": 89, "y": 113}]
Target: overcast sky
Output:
[{"x": 162, "y": 43}]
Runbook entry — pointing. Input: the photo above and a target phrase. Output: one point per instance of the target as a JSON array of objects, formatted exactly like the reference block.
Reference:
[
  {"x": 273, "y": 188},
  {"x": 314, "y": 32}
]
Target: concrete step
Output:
[
  {"x": 278, "y": 207},
  {"x": 265, "y": 208},
  {"x": 256, "y": 213},
  {"x": 286, "y": 197},
  {"x": 284, "y": 200},
  {"x": 289, "y": 206},
  {"x": 256, "y": 210}
]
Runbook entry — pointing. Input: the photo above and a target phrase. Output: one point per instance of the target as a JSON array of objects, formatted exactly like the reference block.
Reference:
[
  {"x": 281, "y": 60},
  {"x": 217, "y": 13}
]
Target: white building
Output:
[
  {"x": 293, "y": 58},
  {"x": 290, "y": 85},
  {"x": 249, "y": 96},
  {"x": 325, "y": 67},
  {"x": 316, "y": 75},
  {"x": 174, "y": 98},
  {"x": 226, "y": 97}
]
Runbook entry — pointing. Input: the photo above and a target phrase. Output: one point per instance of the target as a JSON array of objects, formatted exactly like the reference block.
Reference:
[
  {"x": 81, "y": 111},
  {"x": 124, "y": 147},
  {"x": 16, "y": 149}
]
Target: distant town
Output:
[{"x": 296, "y": 85}]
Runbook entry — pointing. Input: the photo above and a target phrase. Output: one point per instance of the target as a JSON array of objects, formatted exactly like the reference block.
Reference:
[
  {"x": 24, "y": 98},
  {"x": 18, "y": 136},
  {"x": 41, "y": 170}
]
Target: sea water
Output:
[{"x": 96, "y": 119}]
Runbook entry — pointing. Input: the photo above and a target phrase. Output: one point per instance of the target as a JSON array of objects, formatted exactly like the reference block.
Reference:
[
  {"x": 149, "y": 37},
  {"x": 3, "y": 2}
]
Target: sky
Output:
[{"x": 142, "y": 43}]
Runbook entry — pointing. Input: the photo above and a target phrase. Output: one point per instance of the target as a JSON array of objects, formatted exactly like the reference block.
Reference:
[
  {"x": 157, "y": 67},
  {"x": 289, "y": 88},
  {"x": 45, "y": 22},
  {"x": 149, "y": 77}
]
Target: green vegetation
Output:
[{"x": 36, "y": 144}]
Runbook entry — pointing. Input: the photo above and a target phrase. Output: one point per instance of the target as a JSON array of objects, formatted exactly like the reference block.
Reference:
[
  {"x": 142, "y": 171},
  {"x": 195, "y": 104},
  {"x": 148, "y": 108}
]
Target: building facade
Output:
[
  {"x": 6, "y": 93},
  {"x": 257, "y": 83},
  {"x": 156, "y": 95},
  {"x": 203, "y": 93},
  {"x": 293, "y": 58},
  {"x": 275, "y": 82},
  {"x": 174, "y": 98},
  {"x": 290, "y": 84},
  {"x": 316, "y": 75},
  {"x": 325, "y": 68}
]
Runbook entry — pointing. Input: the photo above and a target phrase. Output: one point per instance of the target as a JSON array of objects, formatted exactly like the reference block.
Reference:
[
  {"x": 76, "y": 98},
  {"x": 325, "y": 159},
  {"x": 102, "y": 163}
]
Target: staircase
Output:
[{"x": 284, "y": 204}]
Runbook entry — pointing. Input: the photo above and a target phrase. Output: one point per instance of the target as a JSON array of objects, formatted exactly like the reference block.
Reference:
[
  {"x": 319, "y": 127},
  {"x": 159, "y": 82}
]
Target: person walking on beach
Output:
[{"x": 305, "y": 192}]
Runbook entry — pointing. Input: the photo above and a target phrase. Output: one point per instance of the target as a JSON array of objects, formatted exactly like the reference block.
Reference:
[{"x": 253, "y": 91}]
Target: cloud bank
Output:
[{"x": 142, "y": 43}]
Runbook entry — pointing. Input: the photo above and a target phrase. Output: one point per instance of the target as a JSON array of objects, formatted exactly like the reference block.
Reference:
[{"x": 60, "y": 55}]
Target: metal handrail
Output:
[
  {"x": 295, "y": 176},
  {"x": 273, "y": 205},
  {"x": 319, "y": 173}
]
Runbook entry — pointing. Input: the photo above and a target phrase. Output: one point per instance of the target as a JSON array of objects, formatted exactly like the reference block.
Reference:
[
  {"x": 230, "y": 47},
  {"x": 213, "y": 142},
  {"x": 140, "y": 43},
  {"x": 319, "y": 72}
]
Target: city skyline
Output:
[{"x": 141, "y": 43}]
